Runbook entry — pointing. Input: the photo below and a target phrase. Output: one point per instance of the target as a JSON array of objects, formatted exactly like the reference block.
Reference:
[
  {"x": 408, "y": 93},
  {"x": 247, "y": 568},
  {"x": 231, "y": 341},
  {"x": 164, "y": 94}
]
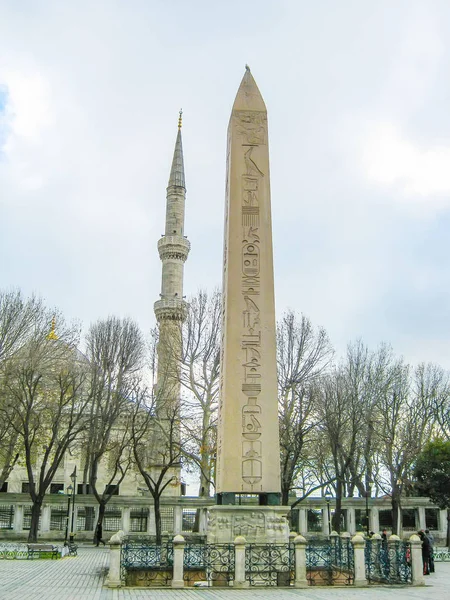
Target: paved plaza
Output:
[{"x": 82, "y": 578}]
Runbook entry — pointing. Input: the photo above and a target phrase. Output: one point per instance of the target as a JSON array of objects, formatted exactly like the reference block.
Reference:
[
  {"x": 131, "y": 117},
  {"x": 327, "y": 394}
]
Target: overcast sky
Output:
[{"x": 358, "y": 98}]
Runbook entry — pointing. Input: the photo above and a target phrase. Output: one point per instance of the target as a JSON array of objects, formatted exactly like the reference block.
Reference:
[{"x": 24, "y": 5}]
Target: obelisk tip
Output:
[{"x": 248, "y": 96}]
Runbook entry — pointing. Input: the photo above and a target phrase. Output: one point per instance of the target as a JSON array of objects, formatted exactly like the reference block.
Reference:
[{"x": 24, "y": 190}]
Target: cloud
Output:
[{"x": 391, "y": 159}]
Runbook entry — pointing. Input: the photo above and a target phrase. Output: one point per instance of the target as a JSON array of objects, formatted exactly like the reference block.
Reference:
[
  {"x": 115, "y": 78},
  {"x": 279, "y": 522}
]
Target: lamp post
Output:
[
  {"x": 367, "y": 513},
  {"x": 69, "y": 497},
  {"x": 73, "y": 477},
  {"x": 328, "y": 497}
]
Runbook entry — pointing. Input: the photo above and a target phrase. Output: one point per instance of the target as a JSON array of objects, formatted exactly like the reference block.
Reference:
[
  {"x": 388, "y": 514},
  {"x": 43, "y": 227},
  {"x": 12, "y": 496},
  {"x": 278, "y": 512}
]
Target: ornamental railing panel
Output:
[
  {"x": 388, "y": 562},
  {"x": 145, "y": 564},
  {"x": 270, "y": 564},
  {"x": 13, "y": 550},
  {"x": 441, "y": 555},
  {"x": 208, "y": 564},
  {"x": 330, "y": 562}
]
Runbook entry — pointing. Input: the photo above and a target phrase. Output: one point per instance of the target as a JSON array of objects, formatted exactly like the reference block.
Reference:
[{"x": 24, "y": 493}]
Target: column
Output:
[
  {"x": 18, "y": 518},
  {"x": 351, "y": 521},
  {"x": 443, "y": 524},
  {"x": 45, "y": 518},
  {"x": 416, "y": 560},
  {"x": 113, "y": 579},
  {"x": 360, "y": 564},
  {"x": 239, "y": 568},
  {"x": 374, "y": 521},
  {"x": 177, "y": 519},
  {"x": 300, "y": 562},
  {"x": 203, "y": 521},
  {"x": 178, "y": 559},
  {"x": 302, "y": 521},
  {"x": 151, "y": 521},
  {"x": 126, "y": 520},
  {"x": 325, "y": 522},
  {"x": 422, "y": 520}
]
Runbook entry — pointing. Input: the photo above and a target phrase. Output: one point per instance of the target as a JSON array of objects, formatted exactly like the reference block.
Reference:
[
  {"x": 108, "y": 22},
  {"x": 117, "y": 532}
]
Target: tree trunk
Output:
[
  {"x": 34, "y": 526},
  {"x": 157, "y": 518},
  {"x": 395, "y": 512},
  {"x": 284, "y": 495},
  {"x": 336, "y": 520},
  {"x": 101, "y": 516}
]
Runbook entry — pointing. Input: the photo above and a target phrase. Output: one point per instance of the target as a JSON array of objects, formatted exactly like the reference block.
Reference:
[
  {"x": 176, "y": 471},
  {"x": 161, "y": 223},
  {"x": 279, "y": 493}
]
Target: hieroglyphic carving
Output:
[
  {"x": 251, "y": 332},
  {"x": 252, "y": 126}
]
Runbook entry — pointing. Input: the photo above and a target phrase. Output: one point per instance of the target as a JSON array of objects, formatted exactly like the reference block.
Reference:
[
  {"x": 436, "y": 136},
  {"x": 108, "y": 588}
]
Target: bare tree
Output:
[
  {"x": 199, "y": 373},
  {"x": 438, "y": 384},
  {"x": 156, "y": 444},
  {"x": 116, "y": 352},
  {"x": 406, "y": 421},
  {"x": 44, "y": 383},
  {"x": 340, "y": 417},
  {"x": 303, "y": 355},
  {"x": 21, "y": 319}
]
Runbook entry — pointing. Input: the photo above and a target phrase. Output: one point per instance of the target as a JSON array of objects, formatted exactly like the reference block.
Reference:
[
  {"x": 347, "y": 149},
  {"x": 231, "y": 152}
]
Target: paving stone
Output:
[{"x": 82, "y": 578}]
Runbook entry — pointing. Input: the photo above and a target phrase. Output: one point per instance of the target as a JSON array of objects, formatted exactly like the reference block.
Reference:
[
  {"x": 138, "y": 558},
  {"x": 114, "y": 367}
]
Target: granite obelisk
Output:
[{"x": 248, "y": 456}]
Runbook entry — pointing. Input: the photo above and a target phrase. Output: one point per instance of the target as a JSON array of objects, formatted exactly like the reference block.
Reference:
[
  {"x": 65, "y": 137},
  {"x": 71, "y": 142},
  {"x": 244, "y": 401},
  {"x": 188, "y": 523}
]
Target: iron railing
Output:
[
  {"x": 146, "y": 564},
  {"x": 270, "y": 564},
  {"x": 209, "y": 564},
  {"x": 388, "y": 562},
  {"x": 330, "y": 562}
]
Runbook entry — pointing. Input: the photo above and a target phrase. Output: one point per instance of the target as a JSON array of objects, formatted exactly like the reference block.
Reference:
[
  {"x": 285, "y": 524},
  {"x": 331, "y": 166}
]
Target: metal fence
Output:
[
  {"x": 208, "y": 564},
  {"x": 145, "y": 564},
  {"x": 388, "y": 562},
  {"x": 270, "y": 564},
  {"x": 330, "y": 562}
]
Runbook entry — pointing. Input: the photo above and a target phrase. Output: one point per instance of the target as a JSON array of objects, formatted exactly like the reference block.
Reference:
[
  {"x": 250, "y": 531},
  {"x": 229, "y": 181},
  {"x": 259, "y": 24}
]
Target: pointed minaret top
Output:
[
  {"x": 248, "y": 96},
  {"x": 177, "y": 170}
]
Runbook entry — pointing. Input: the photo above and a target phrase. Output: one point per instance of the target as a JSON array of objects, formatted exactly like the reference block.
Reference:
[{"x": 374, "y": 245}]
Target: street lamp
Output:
[
  {"x": 69, "y": 496},
  {"x": 73, "y": 477},
  {"x": 328, "y": 497},
  {"x": 367, "y": 512}
]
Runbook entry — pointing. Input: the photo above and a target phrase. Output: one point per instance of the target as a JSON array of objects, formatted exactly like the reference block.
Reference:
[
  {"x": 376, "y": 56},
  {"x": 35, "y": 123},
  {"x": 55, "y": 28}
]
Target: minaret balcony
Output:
[
  {"x": 174, "y": 246},
  {"x": 170, "y": 309}
]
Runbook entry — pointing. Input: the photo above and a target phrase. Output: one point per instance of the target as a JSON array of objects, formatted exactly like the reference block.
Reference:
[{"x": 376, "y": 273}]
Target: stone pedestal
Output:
[{"x": 258, "y": 524}]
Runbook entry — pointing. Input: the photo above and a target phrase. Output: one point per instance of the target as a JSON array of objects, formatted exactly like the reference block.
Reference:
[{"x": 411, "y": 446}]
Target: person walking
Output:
[
  {"x": 99, "y": 535},
  {"x": 425, "y": 552}
]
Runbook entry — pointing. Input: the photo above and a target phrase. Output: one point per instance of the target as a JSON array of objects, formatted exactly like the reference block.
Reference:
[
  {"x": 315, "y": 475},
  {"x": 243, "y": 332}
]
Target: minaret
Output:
[{"x": 170, "y": 310}]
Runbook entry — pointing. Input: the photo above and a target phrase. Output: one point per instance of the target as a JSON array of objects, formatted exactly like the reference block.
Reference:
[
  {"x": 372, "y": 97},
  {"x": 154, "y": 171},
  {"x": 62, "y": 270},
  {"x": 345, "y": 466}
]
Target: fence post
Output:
[
  {"x": 416, "y": 560},
  {"x": 178, "y": 561},
  {"x": 239, "y": 562},
  {"x": 359, "y": 544},
  {"x": 300, "y": 562},
  {"x": 115, "y": 543}
]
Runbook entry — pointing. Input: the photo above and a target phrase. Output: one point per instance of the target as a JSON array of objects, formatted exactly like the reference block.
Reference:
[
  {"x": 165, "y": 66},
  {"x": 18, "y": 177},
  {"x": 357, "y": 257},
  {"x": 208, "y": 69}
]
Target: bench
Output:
[{"x": 38, "y": 550}]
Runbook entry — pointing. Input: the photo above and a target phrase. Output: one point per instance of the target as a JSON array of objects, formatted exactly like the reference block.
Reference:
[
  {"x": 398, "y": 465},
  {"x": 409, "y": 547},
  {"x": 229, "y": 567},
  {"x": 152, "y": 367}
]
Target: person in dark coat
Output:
[
  {"x": 431, "y": 540},
  {"x": 99, "y": 535},
  {"x": 425, "y": 552}
]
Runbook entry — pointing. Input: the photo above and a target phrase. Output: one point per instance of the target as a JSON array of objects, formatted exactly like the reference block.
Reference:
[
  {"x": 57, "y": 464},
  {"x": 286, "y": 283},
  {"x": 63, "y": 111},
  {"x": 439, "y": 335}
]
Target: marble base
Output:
[{"x": 258, "y": 524}]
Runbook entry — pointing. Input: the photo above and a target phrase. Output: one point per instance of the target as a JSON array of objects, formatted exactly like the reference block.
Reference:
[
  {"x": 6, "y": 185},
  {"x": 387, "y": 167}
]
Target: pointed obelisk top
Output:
[
  {"x": 248, "y": 96},
  {"x": 177, "y": 170}
]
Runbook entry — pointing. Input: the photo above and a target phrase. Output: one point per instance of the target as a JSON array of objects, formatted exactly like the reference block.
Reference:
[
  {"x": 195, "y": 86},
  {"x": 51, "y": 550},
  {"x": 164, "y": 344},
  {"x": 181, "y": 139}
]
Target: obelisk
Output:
[{"x": 248, "y": 455}]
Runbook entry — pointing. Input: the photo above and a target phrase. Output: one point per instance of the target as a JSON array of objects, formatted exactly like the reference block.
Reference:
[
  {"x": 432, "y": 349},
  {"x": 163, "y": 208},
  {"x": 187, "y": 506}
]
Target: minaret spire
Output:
[{"x": 177, "y": 171}]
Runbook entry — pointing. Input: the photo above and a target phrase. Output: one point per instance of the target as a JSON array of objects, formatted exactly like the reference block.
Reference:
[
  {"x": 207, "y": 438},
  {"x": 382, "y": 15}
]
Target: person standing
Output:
[
  {"x": 99, "y": 535},
  {"x": 431, "y": 540},
  {"x": 425, "y": 552}
]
